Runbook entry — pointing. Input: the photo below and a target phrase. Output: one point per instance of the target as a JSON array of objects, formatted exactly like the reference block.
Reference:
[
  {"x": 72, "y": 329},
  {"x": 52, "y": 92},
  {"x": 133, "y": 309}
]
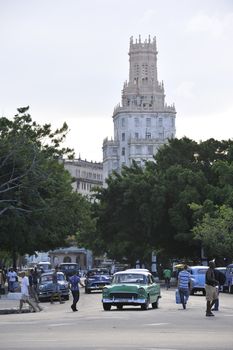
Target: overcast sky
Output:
[{"x": 68, "y": 60}]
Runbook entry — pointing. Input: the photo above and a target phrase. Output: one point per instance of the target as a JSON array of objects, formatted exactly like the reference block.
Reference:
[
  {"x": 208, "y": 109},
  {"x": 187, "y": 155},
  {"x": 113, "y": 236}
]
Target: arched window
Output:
[{"x": 67, "y": 259}]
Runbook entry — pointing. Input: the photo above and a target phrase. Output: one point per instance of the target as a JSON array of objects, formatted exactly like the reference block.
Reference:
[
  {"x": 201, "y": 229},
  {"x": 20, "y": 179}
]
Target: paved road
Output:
[{"x": 167, "y": 328}]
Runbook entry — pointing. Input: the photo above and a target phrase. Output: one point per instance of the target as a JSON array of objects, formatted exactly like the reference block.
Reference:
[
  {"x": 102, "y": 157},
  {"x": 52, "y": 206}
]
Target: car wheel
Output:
[
  {"x": 155, "y": 305},
  {"x": 231, "y": 289},
  {"x": 204, "y": 292},
  {"x": 107, "y": 307},
  {"x": 119, "y": 307},
  {"x": 66, "y": 297},
  {"x": 146, "y": 305},
  {"x": 192, "y": 292},
  {"x": 87, "y": 291}
]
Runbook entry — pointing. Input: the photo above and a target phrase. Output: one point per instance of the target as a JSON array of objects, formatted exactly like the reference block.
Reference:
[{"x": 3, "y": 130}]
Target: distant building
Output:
[
  {"x": 86, "y": 175},
  {"x": 143, "y": 122},
  {"x": 72, "y": 255}
]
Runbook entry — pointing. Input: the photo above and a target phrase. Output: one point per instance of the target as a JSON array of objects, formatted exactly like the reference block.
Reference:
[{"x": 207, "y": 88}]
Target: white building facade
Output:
[
  {"x": 143, "y": 121},
  {"x": 86, "y": 175}
]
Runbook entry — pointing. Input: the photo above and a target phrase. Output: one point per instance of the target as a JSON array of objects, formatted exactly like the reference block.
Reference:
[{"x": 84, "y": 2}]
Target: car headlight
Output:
[
  {"x": 141, "y": 291},
  {"x": 105, "y": 291}
]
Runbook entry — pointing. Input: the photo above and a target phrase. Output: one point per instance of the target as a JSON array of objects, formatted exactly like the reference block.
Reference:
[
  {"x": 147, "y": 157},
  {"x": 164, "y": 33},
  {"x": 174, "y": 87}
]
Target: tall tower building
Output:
[{"x": 143, "y": 121}]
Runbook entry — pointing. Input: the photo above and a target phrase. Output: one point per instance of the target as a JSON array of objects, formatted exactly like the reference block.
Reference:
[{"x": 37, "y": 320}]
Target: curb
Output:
[{"x": 13, "y": 311}]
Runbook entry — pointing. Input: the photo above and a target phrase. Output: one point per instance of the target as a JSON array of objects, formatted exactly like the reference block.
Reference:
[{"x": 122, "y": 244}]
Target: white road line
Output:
[
  {"x": 156, "y": 324},
  {"x": 59, "y": 324}
]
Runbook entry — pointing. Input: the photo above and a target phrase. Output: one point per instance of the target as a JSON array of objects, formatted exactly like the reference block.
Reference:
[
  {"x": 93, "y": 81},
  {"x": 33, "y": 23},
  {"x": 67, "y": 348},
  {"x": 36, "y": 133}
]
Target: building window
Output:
[
  {"x": 136, "y": 135},
  {"x": 148, "y": 122},
  {"x": 138, "y": 149},
  {"x": 115, "y": 165},
  {"x": 67, "y": 259},
  {"x": 123, "y": 151},
  {"x": 114, "y": 150},
  {"x": 160, "y": 122},
  {"x": 123, "y": 122},
  {"x": 150, "y": 150},
  {"x": 123, "y": 136},
  {"x": 148, "y": 135},
  {"x": 161, "y": 135},
  {"x": 136, "y": 122}
]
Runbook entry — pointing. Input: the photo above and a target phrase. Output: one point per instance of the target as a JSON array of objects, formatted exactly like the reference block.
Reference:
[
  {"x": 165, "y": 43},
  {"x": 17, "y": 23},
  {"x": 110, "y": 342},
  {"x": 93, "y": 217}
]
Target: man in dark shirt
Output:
[
  {"x": 210, "y": 287},
  {"x": 74, "y": 282}
]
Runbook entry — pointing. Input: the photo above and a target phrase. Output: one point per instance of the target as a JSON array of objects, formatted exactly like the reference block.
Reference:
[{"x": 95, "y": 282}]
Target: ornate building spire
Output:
[{"x": 143, "y": 89}]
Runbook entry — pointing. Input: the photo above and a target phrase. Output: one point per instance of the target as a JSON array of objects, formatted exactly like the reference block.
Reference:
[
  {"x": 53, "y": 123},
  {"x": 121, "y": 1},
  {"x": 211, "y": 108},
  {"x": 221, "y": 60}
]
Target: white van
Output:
[{"x": 44, "y": 266}]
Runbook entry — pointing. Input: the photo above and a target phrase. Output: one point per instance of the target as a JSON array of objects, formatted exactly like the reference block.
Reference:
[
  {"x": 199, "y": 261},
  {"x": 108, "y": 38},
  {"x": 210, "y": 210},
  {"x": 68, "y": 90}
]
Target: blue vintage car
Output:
[
  {"x": 197, "y": 283},
  {"x": 97, "y": 279},
  {"x": 229, "y": 278},
  {"x": 45, "y": 288}
]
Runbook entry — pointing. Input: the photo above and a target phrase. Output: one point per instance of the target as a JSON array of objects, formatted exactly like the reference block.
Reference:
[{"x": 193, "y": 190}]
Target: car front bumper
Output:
[{"x": 125, "y": 301}]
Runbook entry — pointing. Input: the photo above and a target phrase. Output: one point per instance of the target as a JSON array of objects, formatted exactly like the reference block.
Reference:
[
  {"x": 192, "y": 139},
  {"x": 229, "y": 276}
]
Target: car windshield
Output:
[
  {"x": 97, "y": 272},
  {"x": 198, "y": 271},
  {"x": 49, "y": 278},
  {"x": 129, "y": 278},
  {"x": 68, "y": 267}
]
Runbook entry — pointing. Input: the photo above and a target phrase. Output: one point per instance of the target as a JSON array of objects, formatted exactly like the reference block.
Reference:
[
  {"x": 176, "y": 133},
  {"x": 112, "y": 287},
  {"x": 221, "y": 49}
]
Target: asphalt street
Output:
[{"x": 168, "y": 328}]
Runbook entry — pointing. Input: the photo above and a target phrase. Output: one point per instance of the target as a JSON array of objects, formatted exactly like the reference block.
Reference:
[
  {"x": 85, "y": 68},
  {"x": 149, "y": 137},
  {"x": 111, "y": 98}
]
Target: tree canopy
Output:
[
  {"x": 38, "y": 209},
  {"x": 149, "y": 209}
]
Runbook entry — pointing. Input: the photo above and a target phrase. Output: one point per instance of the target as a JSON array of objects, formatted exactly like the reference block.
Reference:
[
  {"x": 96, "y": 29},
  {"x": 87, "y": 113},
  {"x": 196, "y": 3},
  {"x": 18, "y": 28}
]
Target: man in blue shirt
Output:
[
  {"x": 184, "y": 278},
  {"x": 74, "y": 282}
]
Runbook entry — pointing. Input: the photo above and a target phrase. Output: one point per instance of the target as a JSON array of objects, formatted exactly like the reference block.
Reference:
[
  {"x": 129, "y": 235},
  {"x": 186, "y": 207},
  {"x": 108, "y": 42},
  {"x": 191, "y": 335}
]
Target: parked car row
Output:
[{"x": 137, "y": 287}]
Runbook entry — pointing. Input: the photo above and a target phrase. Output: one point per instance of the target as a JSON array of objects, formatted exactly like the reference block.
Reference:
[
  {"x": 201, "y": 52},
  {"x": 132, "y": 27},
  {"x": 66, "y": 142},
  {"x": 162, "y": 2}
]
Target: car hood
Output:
[
  {"x": 61, "y": 283},
  {"x": 125, "y": 287},
  {"x": 99, "y": 278}
]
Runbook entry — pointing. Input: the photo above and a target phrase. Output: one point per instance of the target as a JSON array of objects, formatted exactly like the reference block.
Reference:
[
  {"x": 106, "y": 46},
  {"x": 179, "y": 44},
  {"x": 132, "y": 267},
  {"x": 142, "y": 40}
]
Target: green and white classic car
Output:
[{"x": 131, "y": 287}]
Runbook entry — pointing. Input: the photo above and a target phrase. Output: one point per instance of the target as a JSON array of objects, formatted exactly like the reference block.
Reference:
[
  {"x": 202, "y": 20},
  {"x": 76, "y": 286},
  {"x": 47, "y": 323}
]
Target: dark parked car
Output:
[
  {"x": 69, "y": 269},
  {"x": 45, "y": 287},
  {"x": 97, "y": 279}
]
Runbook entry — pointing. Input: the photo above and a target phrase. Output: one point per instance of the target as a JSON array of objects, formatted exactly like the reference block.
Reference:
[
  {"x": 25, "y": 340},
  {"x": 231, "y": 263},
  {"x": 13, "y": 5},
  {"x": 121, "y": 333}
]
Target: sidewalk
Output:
[{"x": 9, "y": 304}]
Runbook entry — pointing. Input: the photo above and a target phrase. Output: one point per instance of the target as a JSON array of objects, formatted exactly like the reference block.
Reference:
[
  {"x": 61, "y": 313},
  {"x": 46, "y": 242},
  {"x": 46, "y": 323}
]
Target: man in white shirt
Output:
[
  {"x": 25, "y": 295},
  {"x": 11, "y": 278}
]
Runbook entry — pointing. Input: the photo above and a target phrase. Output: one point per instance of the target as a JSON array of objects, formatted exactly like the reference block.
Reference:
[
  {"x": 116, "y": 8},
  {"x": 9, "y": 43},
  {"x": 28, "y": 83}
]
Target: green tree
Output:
[
  {"x": 215, "y": 231},
  {"x": 38, "y": 208},
  {"x": 126, "y": 216}
]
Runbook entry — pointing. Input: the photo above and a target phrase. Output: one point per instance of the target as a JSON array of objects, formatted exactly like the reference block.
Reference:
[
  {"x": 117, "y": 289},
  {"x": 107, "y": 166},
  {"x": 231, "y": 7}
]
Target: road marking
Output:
[
  {"x": 59, "y": 324},
  {"x": 155, "y": 324},
  {"x": 228, "y": 315}
]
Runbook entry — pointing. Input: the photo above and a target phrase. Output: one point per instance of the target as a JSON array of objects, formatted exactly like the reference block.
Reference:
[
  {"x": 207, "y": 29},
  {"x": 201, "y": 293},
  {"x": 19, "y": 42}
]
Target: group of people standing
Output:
[
  {"x": 212, "y": 282},
  {"x": 28, "y": 287},
  {"x": 30, "y": 295}
]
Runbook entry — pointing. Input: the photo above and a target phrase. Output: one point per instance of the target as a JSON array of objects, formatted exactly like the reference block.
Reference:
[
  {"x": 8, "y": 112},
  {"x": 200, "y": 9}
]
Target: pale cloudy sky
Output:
[{"x": 68, "y": 60}]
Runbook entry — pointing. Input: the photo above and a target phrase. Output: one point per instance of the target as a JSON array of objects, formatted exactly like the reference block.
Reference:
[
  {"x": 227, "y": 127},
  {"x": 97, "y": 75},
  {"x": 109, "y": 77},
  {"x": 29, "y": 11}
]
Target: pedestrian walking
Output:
[
  {"x": 74, "y": 282},
  {"x": 221, "y": 278},
  {"x": 184, "y": 278},
  {"x": 167, "y": 277},
  {"x": 25, "y": 295},
  {"x": 12, "y": 278},
  {"x": 56, "y": 289},
  {"x": 210, "y": 288},
  {"x": 33, "y": 281}
]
